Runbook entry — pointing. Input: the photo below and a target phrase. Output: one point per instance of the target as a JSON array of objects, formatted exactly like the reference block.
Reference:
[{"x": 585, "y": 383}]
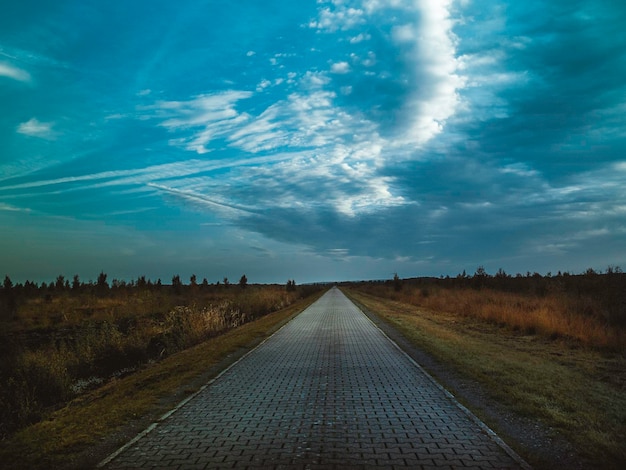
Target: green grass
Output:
[
  {"x": 576, "y": 390},
  {"x": 66, "y": 439}
]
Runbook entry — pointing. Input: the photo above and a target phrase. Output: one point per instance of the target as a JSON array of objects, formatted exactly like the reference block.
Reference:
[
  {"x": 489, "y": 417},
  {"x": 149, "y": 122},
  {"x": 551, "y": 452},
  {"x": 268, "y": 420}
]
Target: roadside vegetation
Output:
[
  {"x": 589, "y": 307},
  {"x": 551, "y": 348},
  {"x": 63, "y": 339}
]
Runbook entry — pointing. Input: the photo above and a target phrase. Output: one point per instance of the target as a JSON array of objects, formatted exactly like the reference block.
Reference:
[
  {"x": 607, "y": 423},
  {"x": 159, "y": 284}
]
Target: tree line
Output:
[
  {"x": 62, "y": 284},
  {"x": 11, "y": 292}
]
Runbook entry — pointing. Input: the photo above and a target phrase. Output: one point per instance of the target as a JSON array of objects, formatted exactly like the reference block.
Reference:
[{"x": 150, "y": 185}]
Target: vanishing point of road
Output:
[{"x": 328, "y": 390}]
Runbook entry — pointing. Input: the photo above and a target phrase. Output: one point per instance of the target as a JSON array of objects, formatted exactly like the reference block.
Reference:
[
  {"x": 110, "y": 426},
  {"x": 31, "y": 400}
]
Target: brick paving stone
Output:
[{"x": 328, "y": 390}]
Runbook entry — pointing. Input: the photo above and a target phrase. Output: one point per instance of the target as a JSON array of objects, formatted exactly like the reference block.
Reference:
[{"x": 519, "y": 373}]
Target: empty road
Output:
[{"x": 328, "y": 390}]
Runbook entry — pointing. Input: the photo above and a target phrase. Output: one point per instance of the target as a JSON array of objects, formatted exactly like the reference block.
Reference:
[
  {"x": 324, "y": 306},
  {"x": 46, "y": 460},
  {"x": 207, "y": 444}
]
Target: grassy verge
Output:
[
  {"x": 66, "y": 438},
  {"x": 55, "y": 347},
  {"x": 578, "y": 391}
]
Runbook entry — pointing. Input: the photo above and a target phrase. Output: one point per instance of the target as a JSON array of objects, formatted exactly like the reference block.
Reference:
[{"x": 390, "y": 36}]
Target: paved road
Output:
[{"x": 328, "y": 390}]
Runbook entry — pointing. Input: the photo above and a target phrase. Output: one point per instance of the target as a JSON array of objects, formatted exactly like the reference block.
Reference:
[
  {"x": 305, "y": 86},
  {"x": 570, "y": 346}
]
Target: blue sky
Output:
[{"x": 313, "y": 140}]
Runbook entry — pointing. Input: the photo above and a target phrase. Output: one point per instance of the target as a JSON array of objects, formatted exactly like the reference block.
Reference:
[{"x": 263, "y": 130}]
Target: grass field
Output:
[
  {"x": 551, "y": 350},
  {"x": 588, "y": 308},
  {"x": 57, "y": 344},
  {"x": 572, "y": 387},
  {"x": 67, "y": 437}
]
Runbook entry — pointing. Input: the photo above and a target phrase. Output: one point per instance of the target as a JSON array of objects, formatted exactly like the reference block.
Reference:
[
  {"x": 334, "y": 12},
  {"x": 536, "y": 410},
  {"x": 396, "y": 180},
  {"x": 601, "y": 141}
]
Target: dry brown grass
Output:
[
  {"x": 551, "y": 315},
  {"x": 56, "y": 347},
  {"x": 574, "y": 389},
  {"x": 67, "y": 438}
]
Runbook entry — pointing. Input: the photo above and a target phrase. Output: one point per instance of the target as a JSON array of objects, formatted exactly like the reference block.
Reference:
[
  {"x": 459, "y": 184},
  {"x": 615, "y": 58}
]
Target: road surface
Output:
[{"x": 328, "y": 390}]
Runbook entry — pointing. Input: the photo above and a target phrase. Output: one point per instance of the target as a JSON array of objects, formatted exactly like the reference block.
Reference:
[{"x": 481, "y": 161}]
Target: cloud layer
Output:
[{"x": 363, "y": 136}]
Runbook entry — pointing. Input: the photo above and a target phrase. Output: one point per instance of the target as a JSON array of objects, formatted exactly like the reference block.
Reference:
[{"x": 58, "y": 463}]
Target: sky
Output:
[{"x": 311, "y": 140}]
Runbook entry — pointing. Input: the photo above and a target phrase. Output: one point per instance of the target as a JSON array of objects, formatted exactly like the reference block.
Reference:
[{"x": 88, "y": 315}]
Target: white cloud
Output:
[
  {"x": 193, "y": 197},
  {"x": 432, "y": 54},
  {"x": 338, "y": 18},
  {"x": 340, "y": 68},
  {"x": 404, "y": 34},
  {"x": 10, "y": 71},
  {"x": 314, "y": 80},
  {"x": 208, "y": 116},
  {"x": 35, "y": 128},
  {"x": 184, "y": 170},
  {"x": 423, "y": 36},
  {"x": 263, "y": 85},
  {"x": 10, "y": 208},
  {"x": 360, "y": 38}
]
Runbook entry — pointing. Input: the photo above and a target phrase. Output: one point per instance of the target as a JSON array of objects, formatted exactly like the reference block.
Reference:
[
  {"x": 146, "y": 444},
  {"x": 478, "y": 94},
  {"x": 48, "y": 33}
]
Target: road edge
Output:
[
  {"x": 108, "y": 459},
  {"x": 490, "y": 432}
]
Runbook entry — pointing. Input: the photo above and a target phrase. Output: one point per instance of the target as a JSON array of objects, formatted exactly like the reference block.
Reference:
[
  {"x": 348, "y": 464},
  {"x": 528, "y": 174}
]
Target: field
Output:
[
  {"x": 79, "y": 365},
  {"x": 58, "y": 342},
  {"x": 590, "y": 308},
  {"x": 551, "y": 350}
]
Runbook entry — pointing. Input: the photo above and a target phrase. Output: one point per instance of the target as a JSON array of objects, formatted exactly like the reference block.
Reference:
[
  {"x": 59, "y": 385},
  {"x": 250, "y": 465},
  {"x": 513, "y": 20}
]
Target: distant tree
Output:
[
  {"x": 614, "y": 270},
  {"x": 8, "y": 301},
  {"x": 60, "y": 282},
  {"x": 141, "y": 282},
  {"x": 102, "y": 281},
  {"x": 397, "y": 282},
  {"x": 243, "y": 281},
  {"x": 177, "y": 284},
  {"x": 481, "y": 272},
  {"x": 205, "y": 283},
  {"x": 193, "y": 280},
  {"x": 76, "y": 282},
  {"x": 501, "y": 273},
  {"x": 226, "y": 283},
  {"x": 291, "y": 285}
]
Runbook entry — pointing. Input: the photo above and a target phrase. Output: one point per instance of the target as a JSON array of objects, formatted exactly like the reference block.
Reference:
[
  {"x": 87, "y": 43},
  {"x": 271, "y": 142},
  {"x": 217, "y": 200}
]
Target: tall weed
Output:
[
  {"x": 55, "y": 343},
  {"x": 554, "y": 313}
]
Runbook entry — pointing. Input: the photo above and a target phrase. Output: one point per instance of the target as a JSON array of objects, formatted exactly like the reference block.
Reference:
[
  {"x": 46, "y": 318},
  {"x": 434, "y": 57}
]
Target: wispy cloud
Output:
[
  {"x": 449, "y": 133},
  {"x": 209, "y": 117},
  {"x": 15, "y": 73},
  {"x": 10, "y": 208},
  {"x": 424, "y": 46},
  {"x": 337, "y": 17},
  {"x": 36, "y": 128},
  {"x": 145, "y": 175},
  {"x": 429, "y": 42},
  {"x": 213, "y": 203}
]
